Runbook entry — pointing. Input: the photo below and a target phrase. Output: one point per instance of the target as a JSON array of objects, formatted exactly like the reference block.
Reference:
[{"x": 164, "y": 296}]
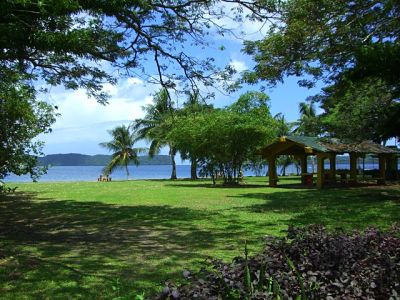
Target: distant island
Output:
[{"x": 76, "y": 159}]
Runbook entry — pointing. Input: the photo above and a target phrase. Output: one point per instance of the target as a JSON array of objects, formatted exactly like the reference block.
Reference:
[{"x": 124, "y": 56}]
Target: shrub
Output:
[
  {"x": 6, "y": 189},
  {"x": 310, "y": 263}
]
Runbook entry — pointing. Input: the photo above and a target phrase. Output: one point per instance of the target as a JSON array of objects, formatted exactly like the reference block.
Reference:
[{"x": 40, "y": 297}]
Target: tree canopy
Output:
[
  {"x": 326, "y": 39},
  {"x": 346, "y": 44},
  {"x": 68, "y": 42},
  {"x": 22, "y": 117},
  {"x": 156, "y": 124},
  {"x": 223, "y": 139},
  {"x": 360, "y": 111}
]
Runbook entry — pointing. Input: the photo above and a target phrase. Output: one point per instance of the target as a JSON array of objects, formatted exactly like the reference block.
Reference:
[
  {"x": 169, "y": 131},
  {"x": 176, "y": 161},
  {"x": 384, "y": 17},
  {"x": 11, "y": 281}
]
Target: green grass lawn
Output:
[{"x": 103, "y": 240}]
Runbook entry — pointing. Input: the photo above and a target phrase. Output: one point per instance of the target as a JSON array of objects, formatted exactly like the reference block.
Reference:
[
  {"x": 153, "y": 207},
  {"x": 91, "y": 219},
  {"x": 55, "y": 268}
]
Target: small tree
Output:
[
  {"x": 193, "y": 105},
  {"x": 223, "y": 139},
  {"x": 121, "y": 145}
]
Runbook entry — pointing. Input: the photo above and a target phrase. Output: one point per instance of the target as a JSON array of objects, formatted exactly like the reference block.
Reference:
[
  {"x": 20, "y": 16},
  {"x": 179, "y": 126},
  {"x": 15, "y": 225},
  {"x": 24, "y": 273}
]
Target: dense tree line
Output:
[{"x": 218, "y": 141}]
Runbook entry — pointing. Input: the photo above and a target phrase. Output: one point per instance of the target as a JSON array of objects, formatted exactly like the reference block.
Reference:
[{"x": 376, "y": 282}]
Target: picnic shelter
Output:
[{"x": 327, "y": 149}]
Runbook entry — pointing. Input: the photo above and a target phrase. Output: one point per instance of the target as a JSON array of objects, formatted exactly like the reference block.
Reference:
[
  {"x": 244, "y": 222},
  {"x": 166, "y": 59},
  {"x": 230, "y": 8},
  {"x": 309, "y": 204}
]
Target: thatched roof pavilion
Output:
[{"x": 327, "y": 148}]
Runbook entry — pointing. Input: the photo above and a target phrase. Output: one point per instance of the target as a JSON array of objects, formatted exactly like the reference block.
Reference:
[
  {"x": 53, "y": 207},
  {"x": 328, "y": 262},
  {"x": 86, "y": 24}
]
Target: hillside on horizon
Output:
[{"x": 77, "y": 159}]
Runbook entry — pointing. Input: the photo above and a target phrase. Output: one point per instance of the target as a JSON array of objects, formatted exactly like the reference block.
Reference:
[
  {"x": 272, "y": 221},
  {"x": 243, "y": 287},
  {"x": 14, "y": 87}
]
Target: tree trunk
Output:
[
  {"x": 172, "y": 153},
  {"x": 193, "y": 169},
  {"x": 127, "y": 172}
]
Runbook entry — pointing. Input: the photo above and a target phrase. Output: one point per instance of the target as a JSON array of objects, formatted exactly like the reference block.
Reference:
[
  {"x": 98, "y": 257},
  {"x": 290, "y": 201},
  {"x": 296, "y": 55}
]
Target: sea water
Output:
[{"x": 91, "y": 173}]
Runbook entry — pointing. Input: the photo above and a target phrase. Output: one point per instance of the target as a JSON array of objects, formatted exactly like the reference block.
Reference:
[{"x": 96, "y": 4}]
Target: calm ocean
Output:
[{"x": 91, "y": 173}]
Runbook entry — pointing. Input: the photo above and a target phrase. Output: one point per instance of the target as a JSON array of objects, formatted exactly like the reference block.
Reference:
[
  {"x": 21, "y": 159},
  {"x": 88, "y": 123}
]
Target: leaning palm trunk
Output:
[{"x": 127, "y": 171}]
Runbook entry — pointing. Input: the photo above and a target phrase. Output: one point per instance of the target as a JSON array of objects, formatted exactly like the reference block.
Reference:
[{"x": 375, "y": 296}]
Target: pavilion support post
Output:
[
  {"x": 303, "y": 165},
  {"x": 353, "y": 167},
  {"x": 320, "y": 170},
  {"x": 273, "y": 178},
  {"x": 382, "y": 169},
  {"x": 332, "y": 165},
  {"x": 395, "y": 166}
]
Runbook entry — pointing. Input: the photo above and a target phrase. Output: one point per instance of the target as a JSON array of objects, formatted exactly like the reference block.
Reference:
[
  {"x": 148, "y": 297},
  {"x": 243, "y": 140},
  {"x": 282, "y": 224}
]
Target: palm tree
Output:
[
  {"x": 156, "y": 124},
  {"x": 284, "y": 162},
  {"x": 122, "y": 147},
  {"x": 308, "y": 124},
  {"x": 283, "y": 127}
]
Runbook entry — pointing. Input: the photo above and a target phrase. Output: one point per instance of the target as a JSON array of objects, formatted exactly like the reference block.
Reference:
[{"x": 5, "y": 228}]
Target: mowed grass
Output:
[{"x": 104, "y": 240}]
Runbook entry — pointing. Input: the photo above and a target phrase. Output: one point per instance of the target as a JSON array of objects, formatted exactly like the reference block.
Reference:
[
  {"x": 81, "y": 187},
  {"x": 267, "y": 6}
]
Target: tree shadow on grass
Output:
[
  {"x": 335, "y": 208},
  {"x": 63, "y": 249}
]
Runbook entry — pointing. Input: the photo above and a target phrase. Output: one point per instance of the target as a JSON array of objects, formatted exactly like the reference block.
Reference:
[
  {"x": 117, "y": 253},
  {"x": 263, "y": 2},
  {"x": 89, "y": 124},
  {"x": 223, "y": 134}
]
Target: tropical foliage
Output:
[
  {"x": 194, "y": 104},
  {"x": 360, "y": 110},
  {"x": 121, "y": 145},
  {"x": 308, "y": 123},
  {"x": 353, "y": 46},
  {"x": 223, "y": 139},
  {"x": 22, "y": 118},
  {"x": 156, "y": 124},
  {"x": 310, "y": 263}
]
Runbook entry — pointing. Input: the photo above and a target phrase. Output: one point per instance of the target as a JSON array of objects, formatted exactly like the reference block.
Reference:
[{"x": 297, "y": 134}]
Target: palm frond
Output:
[
  {"x": 155, "y": 147},
  {"x": 121, "y": 144}
]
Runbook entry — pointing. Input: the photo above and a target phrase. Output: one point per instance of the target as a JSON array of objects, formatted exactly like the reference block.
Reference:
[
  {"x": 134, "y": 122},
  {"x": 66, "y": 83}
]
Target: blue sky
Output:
[{"x": 83, "y": 123}]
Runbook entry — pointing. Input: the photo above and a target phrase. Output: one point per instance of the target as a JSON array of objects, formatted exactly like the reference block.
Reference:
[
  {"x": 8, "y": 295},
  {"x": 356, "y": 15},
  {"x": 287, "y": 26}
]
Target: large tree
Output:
[
  {"x": 342, "y": 43},
  {"x": 324, "y": 39},
  {"x": 360, "y": 110},
  {"x": 22, "y": 118},
  {"x": 62, "y": 41}
]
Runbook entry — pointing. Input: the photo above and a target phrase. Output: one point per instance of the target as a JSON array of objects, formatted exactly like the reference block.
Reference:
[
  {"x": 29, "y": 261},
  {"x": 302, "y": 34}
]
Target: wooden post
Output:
[
  {"x": 353, "y": 167},
  {"x": 382, "y": 169},
  {"x": 272, "y": 171},
  {"x": 332, "y": 164},
  {"x": 391, "y": 166},
  {"x": 320, "y": 170},
  {"x": 303, "y": 164},
  {"x": 395, "y": 166}
]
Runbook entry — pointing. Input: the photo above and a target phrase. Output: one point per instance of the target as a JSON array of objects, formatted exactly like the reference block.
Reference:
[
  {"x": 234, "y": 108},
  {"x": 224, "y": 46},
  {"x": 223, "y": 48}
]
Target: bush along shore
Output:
[{"x": 310, "y": 263}]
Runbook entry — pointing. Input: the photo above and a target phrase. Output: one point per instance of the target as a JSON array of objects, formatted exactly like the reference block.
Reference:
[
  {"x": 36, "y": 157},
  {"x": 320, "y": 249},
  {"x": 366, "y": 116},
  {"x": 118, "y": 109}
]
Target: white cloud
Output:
[
  {"x": 127, "y": 99},
  {"x": 85, "y": 122},
  {"x": 134, "y": 80},
  {"x": 239, "y": 65}
]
